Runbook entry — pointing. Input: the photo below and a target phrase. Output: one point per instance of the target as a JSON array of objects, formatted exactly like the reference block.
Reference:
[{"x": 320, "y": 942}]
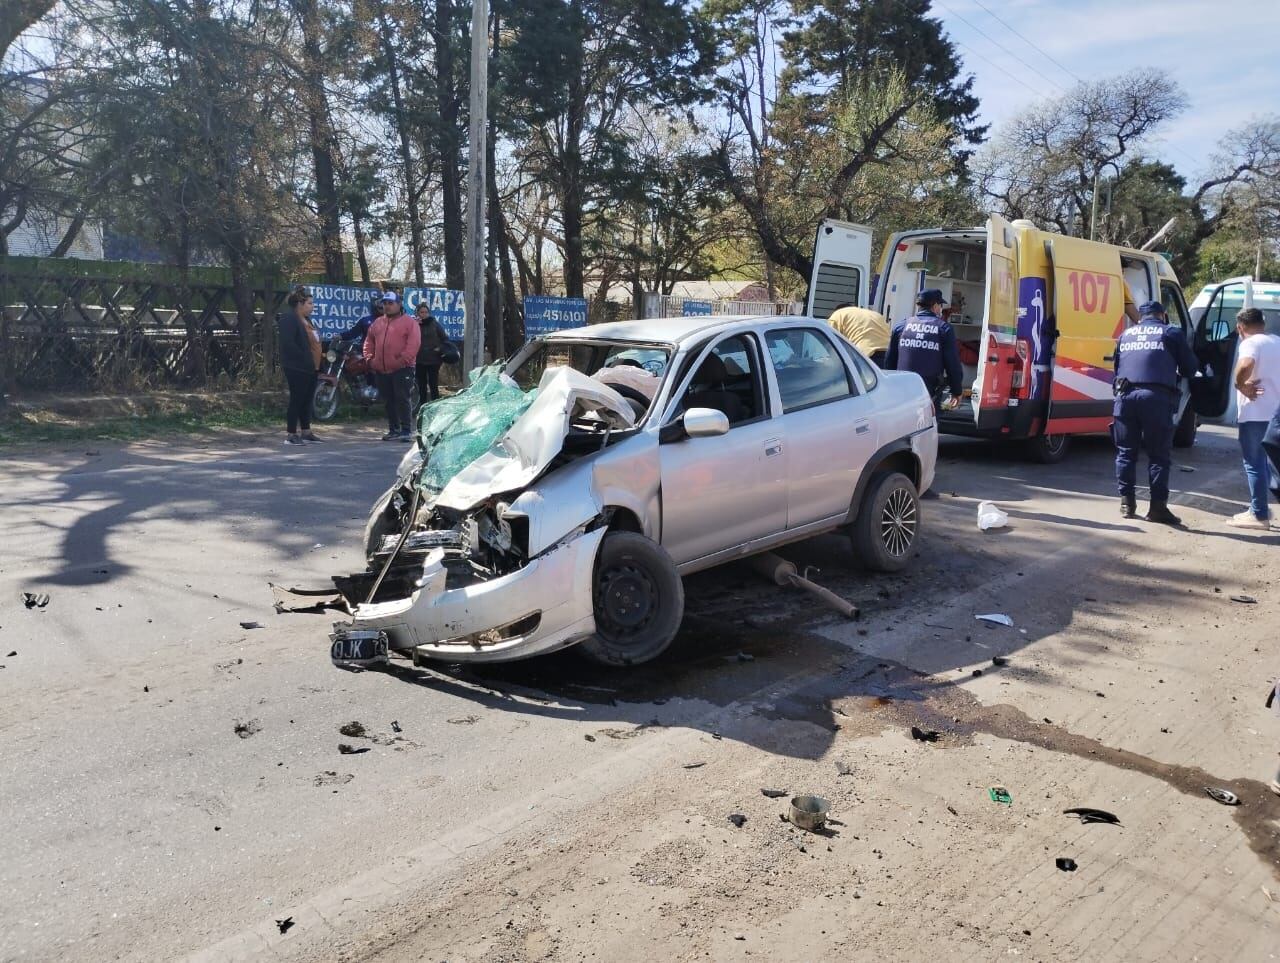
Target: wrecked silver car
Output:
[{"x": 560, "y": 498}]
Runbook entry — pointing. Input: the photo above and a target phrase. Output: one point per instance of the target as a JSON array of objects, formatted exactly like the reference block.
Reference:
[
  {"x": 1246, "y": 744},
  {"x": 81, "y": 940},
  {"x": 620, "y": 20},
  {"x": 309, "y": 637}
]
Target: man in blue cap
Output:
[
  {"x": 1150, "y": 358},
  {"x": 926, "y": 344}
]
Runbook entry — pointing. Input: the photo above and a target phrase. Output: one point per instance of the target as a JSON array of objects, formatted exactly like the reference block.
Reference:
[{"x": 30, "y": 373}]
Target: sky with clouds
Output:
[{"x": 1225, "y": 54}]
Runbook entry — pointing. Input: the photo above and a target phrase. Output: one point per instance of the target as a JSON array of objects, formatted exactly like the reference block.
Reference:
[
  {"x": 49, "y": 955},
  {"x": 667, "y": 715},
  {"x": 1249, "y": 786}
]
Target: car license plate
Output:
[{"x": 360, "y": 649}]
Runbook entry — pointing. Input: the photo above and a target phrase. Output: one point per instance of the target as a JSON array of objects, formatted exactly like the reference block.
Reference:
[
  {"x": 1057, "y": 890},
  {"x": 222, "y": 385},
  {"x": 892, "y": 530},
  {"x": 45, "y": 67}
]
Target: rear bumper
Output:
[{"x": 544, "y": 606}]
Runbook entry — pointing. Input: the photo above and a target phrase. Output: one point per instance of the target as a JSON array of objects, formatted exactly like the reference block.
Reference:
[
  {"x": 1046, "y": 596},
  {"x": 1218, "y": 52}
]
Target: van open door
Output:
[
  {"x": 1214, "y": 340},
  {"x": 841, "y": 268},
  {"x": 1088, "y": 317},
  {"x": 1002, "y": 374}
]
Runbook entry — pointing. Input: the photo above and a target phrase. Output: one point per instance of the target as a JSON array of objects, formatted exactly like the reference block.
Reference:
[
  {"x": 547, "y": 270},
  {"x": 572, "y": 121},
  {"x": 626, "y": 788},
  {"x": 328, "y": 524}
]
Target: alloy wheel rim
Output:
[{"x": 898, "y": 522}]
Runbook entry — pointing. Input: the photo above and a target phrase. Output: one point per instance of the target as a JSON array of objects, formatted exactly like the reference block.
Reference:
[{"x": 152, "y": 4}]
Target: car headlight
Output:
[{"x": 331, "y": 356}]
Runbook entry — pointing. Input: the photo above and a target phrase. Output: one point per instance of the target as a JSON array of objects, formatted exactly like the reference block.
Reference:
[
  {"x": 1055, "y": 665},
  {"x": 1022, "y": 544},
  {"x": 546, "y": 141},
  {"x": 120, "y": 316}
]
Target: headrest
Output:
[{"x": 711, "y": 371}]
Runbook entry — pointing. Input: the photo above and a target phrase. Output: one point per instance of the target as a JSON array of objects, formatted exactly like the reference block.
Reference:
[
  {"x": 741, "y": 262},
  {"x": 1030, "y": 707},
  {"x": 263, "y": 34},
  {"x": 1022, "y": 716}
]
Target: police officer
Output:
[
  {"x": 1150, "y": 357},
  {"x": 926, "y": 344}
]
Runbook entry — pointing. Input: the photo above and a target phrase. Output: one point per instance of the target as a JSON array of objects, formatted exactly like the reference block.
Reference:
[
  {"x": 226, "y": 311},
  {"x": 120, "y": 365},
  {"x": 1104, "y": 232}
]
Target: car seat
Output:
[{"x": 707, "y": 390}]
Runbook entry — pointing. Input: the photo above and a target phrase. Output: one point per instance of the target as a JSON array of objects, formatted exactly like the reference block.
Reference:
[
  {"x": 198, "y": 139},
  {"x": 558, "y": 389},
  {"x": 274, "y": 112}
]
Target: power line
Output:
[
  {"x": 1012, "y": 76},
  {"x": 1027, "y": 40},
  {"x": 997, "y": 43}
]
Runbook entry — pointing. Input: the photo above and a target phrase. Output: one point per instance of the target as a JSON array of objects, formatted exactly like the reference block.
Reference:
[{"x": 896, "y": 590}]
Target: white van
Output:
[{"x": 1213, "y": 323}]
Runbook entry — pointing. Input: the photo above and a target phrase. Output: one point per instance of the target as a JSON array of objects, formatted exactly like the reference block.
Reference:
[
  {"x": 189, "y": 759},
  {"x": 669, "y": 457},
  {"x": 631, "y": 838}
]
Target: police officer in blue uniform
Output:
[
  {"x": 926, "y": 344},
  {"x": 1150, "y": 358}
]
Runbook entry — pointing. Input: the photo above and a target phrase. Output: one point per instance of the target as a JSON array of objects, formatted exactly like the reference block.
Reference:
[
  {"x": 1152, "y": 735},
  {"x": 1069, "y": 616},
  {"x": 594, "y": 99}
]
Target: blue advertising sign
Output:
[
  {"x": 543, "y": 314},
  {"x": 446, "y": 307},
  {"x": 693, "y": 308},
  {"x": 338, "y": 307}
]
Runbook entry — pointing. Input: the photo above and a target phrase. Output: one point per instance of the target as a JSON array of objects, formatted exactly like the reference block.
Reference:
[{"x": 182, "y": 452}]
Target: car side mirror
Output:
[{"x": 695, "y": 423}]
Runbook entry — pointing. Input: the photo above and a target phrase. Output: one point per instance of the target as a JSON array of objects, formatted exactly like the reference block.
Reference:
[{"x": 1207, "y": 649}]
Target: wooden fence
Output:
[{"x": 98, "y": 326}]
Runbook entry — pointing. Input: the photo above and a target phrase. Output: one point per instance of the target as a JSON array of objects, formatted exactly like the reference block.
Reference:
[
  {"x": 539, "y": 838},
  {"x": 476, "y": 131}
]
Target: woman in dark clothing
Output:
[
  {"x": 300, "y": 359},
  {"x": 430, "y": 355}
]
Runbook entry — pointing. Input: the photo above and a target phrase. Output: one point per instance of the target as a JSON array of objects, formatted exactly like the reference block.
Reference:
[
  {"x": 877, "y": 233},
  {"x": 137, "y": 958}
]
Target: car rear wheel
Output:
[
  {"x": 888, "y": 523},
  {"x": 1184, "y": 435},
  {"x": 638, "y": 600},
  {"x": 1049, "y": 449}
]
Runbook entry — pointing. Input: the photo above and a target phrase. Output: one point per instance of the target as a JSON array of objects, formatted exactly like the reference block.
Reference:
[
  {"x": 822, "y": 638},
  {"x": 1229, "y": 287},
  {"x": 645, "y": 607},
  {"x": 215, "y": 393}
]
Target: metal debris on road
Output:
[
  {"x": 589, "y": 737},
  {"x": 738, "y": 819},
  {"x": 464, "y": 721},
  {"x": 395, "y": 726},
  {"x": 35, "y": 600},
  {"x": 995, "y": 618},
  {"x": 348, "y": 750},
  {"x": 1065, "y": 864},
  {"x": 252, "y": 625},
  {"x": 924, "y": 735},
  {"x": 693, "y": 765},
  {"x": 307, "y": 600},
  {"x": 1246, "y": 599},
  {"x": 285, "y": 924},
  {"x": 773, "y": 793},
  {"x": 1090, "y": 815},
  {"x": 781, "y": 572},
  {"x": 1224, "y": 796},
  {"x": 809, "y": 812}
]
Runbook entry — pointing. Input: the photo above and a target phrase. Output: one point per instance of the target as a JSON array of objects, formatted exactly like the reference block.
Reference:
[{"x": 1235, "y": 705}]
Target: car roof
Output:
[{"x": 667, "y": 330}]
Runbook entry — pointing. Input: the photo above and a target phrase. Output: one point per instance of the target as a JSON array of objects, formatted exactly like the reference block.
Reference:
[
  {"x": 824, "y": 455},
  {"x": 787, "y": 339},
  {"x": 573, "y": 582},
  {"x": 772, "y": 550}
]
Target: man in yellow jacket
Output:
[{"x": 863, "y": 328}]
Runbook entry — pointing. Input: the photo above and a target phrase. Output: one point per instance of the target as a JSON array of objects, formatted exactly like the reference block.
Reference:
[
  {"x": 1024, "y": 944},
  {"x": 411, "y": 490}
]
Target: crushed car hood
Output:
[{"x": 525, "y": 450}]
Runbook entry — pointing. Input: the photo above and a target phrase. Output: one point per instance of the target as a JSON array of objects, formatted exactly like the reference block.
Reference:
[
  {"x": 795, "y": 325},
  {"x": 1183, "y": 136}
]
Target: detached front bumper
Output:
[{"x": 544, "y": 606}]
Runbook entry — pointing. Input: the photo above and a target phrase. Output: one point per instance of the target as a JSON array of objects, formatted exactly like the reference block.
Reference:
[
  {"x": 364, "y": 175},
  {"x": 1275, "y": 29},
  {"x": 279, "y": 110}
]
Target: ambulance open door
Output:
[
  {"x": 998, "y": 364},
  {"x": 1088, "y": 317},
  {"x": 841, "y": 268}
]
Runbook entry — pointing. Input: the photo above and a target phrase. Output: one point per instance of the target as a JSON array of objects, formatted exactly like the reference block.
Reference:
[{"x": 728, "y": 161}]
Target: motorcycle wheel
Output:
[{"x": 324, "y": 404}]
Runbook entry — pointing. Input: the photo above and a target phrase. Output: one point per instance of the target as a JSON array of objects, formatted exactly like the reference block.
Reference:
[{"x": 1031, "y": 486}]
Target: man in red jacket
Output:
[{"x": 391, "y": 348}]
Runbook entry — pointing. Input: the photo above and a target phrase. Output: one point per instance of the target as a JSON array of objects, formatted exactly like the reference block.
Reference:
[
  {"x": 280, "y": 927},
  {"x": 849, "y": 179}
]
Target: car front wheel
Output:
[
  {"x": 638, "y": 600},
  {"x": 888, "y": 523}
]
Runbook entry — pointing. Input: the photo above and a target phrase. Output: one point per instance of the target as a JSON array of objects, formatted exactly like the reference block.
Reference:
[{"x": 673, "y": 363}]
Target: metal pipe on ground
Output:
[{"x": 781, "y": 572}]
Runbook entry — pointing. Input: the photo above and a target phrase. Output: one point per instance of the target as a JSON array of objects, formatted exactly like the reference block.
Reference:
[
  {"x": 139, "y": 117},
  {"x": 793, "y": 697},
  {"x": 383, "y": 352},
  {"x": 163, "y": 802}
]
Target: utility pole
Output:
[
  {"x": 1093, "y": 219},
  {"x": 473, "y": 335}
]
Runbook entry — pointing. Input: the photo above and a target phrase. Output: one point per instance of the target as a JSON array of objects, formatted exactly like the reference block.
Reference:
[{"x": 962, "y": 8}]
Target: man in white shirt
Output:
[{"x": 1257, "y": 380}]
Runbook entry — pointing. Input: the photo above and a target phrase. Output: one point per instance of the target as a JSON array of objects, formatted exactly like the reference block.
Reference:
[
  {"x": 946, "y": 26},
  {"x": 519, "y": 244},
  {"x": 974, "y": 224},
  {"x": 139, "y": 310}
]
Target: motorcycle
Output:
[{"x": 342, "y": 364}]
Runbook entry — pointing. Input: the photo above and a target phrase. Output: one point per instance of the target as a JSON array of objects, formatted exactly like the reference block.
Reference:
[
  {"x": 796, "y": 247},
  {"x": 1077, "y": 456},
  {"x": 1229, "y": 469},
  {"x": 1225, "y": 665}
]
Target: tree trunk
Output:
[
  {"x": 448, "y": 100},
  {"x": 493, "y": 288},
  {"x": 322, "y": 144},
  {"x": 70, "y": 235},
  {"x": 571, "y": 199},
  {"x": 406, "y": 157},
  {"x": 357, "y": 228}
]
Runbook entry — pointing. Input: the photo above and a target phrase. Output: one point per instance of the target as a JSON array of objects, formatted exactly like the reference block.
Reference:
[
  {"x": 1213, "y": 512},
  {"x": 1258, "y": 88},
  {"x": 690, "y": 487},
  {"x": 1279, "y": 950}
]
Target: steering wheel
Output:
[
  {"x": 624, "y": 363},
  {"x": 654, "y": 366},
  {"x": 631, "y": 394}
]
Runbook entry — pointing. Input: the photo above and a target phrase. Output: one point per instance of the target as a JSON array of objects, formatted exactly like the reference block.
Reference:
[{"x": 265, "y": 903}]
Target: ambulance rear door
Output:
[
  {"x": 841, "y": 268},
  {"x": 1088, "y": 316},
  {"x": 1002, "y": 372}
]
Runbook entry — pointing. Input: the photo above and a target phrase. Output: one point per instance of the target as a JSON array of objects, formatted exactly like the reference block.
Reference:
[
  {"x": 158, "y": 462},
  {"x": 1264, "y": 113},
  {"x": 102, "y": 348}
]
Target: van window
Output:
[
  {"x": 833, "y": 285},
  {"x": 1175, "y": 307}
]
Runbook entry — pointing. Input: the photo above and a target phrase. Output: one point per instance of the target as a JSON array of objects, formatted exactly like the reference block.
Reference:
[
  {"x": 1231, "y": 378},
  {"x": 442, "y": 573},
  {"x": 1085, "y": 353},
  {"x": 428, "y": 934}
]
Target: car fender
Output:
[{"x": 897, "y": 448}]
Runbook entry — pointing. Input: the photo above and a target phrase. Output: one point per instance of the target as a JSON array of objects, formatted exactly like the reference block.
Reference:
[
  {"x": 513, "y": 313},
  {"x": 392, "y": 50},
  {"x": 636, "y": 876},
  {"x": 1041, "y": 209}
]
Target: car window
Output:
[
  {"x": 865, "y": 369},
  {"x": 809, "y": 369},
  {"x": 728, "y": 379}
]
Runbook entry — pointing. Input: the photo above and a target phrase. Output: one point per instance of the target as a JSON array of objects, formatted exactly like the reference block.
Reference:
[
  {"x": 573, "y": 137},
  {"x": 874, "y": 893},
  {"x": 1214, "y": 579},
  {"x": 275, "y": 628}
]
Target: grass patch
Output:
[{"x": 47, "y": 427}]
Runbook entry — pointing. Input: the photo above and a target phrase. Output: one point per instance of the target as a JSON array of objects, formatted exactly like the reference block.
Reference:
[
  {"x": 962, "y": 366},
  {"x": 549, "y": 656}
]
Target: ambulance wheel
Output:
[
  {"x": 888, "y": 523},
  {"x": 1049, "y": 449},
  {"x": 1184, "y": 435}
]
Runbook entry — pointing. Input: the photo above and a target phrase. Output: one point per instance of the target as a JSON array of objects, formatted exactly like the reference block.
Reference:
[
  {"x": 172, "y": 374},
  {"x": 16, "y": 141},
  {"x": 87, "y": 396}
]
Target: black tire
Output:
[
  {"x": 885, "y": 532},
  {"x": 1184, "y": 435},
  {"x": 1049, "y": 449},
  {"x": 638, "y": 599},
  {"x": 324, "y": 403}
]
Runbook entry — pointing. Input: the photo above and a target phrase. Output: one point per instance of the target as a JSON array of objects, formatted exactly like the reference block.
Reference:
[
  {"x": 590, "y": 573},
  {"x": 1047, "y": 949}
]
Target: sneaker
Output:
[
  {"x": 1247, "y": 519},
  {"x": 391, "y": 436},
  {"x": 1159, "y": 512},
  {"x": 311, "y": 436},
  {"x": 406, "y": 436},
  {"x": 293, "y": 440}
]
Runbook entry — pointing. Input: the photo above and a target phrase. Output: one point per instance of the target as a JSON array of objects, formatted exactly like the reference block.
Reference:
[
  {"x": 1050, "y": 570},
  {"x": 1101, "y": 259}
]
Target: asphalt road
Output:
[{"x": 173, "y": 783}]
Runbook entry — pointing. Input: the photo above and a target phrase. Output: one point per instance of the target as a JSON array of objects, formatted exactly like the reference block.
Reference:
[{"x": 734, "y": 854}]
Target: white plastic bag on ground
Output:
[{"x": 991, "y": 517}]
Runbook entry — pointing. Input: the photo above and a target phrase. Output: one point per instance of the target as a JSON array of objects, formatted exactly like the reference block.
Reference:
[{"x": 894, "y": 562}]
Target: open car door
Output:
[
  {"x": 999, "y": 365},
  {"x": 1088, "y": 317},
  {"x": 1214, "y": 341},
  {"x": 841, "y": 268}
]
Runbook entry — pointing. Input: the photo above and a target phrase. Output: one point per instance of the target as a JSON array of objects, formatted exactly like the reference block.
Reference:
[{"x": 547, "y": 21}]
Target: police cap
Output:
[
  {"x": 1151, "y": 307},
  {"x": 931, "y": 296}
]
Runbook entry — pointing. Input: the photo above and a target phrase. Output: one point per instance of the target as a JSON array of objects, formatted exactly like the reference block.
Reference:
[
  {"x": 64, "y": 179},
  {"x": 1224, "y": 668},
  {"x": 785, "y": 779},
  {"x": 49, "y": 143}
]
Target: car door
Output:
[
  {"x": 827, "y": 422},
  {"x": 1176, "y": 308},
  {"x": 723, "y": 491}
]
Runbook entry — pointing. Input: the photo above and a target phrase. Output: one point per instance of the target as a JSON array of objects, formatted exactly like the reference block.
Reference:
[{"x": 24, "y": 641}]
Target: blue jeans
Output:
[{"x": 1256, "y": 470}]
